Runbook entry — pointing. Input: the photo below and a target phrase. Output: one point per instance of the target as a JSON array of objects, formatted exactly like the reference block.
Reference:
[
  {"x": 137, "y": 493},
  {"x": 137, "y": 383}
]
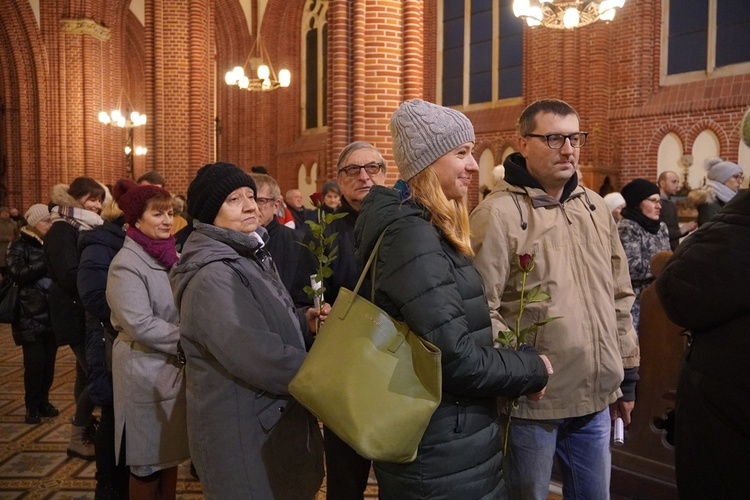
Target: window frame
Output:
[
  {"x": 466, "y": 84},
  {"x": 320, "y": 16},
  {"x": 710, "y": 71}
]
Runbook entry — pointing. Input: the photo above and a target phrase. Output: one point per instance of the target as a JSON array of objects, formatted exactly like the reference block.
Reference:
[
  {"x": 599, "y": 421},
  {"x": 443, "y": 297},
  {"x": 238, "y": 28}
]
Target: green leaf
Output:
[{"x": 327, "y": 272}]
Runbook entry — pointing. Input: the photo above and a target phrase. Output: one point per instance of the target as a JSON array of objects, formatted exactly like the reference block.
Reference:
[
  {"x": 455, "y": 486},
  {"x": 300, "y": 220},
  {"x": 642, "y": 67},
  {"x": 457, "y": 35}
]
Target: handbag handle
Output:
[{"x": 361, "y": 279}]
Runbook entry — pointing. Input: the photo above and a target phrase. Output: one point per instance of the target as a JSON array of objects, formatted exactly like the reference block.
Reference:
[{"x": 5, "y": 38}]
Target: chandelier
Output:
[
  {"x": 129, "y": 122},
  {"x": 565, "y": 14},
  {"x": 258, "y": 63}
]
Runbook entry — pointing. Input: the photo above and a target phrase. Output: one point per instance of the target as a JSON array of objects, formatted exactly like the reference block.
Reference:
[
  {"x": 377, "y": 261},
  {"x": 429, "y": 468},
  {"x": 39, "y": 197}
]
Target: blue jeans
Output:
[{"x": 582, "y": 448}]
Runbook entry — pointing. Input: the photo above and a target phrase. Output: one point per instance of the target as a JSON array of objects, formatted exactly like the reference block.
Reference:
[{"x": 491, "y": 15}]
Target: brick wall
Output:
[{"x": 380, "y": 52}]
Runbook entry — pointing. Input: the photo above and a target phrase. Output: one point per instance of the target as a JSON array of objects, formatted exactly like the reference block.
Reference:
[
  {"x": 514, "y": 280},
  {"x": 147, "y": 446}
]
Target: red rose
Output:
[
  {"x": 526, "y": 262},
  {"x": 317, "y": 199}
]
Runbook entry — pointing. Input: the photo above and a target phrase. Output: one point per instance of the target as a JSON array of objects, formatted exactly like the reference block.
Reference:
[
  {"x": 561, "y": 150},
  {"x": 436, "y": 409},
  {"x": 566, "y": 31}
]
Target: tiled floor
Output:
[{"x": 33, "y": 462}]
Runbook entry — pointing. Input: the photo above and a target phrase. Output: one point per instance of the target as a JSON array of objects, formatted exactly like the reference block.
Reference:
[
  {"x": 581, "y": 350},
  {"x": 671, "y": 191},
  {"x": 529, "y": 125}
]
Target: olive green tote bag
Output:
[{"x": 369, "y": 379}]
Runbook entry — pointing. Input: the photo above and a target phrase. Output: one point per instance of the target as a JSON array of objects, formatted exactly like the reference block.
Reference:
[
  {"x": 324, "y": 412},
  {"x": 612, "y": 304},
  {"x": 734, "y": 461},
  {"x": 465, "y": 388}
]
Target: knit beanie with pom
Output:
[
  {"x": 422, "y": 132},
  {"x": 133, "y": 199}
]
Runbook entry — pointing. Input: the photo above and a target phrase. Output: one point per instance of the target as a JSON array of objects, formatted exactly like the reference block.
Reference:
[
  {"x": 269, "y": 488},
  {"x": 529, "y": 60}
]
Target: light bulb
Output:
[
  {"x": 285, "y": 78},
  {"x": 571, "y": 17},
  {"x": 120, "y": 122},
  {"x": 104, "y": 117},
  {"x": 128, "y": 150},
  {"x": 266, "y": 85},
  {"x": 263, "y": 72},
  {"x": 520, "y": 7},
  {"x": 135, "y": 118},
  {"x": 607, "y": 15},
  {"x": 230, "y": 78},
  {"x": 115, "y": 114},
  {"x": 244, "y": 82},
  {"x": 534, "y": 17},
  {"x": 143, "y": 120},
  {"x": 140, "y": 151},
  {"x": 238, "y": 72}
]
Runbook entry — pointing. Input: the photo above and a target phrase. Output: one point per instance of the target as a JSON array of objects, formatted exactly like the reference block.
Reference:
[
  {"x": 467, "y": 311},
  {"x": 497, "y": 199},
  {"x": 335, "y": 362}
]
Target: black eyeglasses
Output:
[
  {"x": 556, "y": 141},
  {"x": 371, "y": 168},
  {"x": 263, "y": 201}
]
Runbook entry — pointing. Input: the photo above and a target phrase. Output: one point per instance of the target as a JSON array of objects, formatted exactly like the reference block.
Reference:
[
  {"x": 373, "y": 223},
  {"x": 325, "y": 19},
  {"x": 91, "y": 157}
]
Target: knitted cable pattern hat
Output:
[
  {"x": 638, "y": 190},
  {"x": 211, "y": 186},
  {"x": 35, "y": 213},
  {"x": 133, "y": 199},
  {"x": 422, "y": 132},
  {"x": 722, "y": 171}
]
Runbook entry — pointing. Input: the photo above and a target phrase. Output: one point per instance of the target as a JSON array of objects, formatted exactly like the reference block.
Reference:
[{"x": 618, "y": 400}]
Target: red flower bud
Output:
[
  {"x": 317, "y": 199},
  {"x": 526, "y": 262}
]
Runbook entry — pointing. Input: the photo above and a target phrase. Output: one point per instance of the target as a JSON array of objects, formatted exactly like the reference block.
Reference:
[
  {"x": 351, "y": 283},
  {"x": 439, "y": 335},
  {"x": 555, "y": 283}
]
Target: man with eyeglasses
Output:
[
  {"x": 360, "y": 167},
  {"x": 669, "y": 185},
  {"x": 539, "y": 209},
  {"x": 294, "y": 262}
]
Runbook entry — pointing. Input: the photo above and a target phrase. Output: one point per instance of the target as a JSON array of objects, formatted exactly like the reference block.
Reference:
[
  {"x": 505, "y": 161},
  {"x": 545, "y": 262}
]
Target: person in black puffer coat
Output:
[
  {"x": 32, "y": 328},
  {"x": 97, "y": 249},
  {"x": 426, "y": 278},
  {"x": 704, "y": 288}
]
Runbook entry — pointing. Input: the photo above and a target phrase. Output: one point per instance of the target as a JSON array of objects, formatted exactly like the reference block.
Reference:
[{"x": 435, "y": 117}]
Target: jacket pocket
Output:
[{"x": 270, "y": 410}]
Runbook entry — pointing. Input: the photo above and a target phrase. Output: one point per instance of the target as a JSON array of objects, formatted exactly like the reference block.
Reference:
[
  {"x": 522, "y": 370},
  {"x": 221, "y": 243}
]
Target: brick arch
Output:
[
  {"x": 24, "y": 88},
  {"x": 708, "y": 124},
  {"x": 658, "y": 135}
]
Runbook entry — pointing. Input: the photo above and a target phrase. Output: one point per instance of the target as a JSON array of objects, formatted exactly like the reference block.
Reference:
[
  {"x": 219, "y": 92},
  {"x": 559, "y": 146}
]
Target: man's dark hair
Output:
[
  {"x": 259, "y": 169},
  {"x": 152, "y": 177},
  {"x": 527, "y": 120}
]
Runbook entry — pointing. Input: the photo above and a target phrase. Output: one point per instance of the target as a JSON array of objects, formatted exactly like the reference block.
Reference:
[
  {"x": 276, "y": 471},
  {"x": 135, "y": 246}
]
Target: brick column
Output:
[{"x": 178, "y": 83}]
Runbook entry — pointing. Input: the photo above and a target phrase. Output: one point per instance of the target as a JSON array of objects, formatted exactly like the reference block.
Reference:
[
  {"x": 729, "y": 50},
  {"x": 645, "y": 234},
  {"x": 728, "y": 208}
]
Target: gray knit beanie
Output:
[
  {"x": 423, "y": 132},
  {"x": 723, "y": 171},
  {"x": 211, "y": 186}
]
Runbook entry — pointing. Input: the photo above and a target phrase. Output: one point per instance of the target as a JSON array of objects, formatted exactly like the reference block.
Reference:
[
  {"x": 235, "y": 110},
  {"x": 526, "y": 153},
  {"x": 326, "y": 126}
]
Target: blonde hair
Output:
[
  {"x": 451, "y": 217},
  {"x": 111, "y": 211}
]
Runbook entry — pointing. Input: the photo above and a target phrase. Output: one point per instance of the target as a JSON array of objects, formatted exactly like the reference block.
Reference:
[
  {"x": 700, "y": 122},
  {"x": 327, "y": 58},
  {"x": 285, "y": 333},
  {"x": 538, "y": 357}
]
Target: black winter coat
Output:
[
  {"x": 294, "y": 262},
  {"x": 704, "y": 288},
  {"x": 27, "y": 267},
  {"x": 423, "y": 280},
  {"x": 97, "y": 249},
  {"x": 66, "y": 310}
]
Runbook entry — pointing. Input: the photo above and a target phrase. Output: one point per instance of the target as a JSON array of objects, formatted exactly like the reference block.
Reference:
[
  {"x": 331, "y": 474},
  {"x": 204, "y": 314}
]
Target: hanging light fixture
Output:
[
  {"x": 129, "y": 122},
  {"x": 258, "y": 63},
  {"x": 565, "y": 14}
]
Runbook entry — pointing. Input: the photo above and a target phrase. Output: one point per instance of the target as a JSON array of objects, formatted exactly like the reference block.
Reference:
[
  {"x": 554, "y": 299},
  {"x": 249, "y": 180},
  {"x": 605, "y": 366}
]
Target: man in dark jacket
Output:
[
  {"x": 669, "y": 184},
  {"x": 294, "y": 262},
  {"x": 703, "y": 288},
  {"x": 360, "y": 167}
]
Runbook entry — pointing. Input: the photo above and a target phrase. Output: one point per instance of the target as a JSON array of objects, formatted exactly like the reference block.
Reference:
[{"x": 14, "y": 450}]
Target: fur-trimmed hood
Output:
[
  {"x": 59, "y": 196},
  {"x": 698, "y": 197}
]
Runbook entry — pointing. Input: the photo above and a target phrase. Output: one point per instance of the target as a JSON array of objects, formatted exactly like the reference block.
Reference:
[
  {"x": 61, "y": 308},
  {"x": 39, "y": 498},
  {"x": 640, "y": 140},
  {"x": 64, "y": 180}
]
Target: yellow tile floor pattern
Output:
[{"x": 33, "y": 462}]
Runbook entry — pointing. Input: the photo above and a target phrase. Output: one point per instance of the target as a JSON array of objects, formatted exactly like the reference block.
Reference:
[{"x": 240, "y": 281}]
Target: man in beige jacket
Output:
[{"x": 539, "y": 209}]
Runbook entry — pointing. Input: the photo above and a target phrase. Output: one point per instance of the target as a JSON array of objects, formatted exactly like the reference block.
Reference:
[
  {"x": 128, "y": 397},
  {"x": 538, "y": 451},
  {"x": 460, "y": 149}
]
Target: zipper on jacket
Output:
[{"x": 460, "y": 417}]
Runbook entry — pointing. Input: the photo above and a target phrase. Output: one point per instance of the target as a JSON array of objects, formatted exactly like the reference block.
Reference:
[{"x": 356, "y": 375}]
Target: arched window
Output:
[
  {"x": 315, "y": 64},
  {"x": 481, "y": 52}
]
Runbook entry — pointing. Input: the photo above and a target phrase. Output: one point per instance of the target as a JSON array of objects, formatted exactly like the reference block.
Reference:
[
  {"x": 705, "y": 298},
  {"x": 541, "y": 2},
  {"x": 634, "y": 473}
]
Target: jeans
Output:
[
  {"x": 84, "y": 405},
  {"x": 581, "y": 445}
]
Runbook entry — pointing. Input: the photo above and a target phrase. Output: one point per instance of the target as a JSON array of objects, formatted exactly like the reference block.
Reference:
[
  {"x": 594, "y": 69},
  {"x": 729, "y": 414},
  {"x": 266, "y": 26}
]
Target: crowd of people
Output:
[{"x": 188, "y": 317}]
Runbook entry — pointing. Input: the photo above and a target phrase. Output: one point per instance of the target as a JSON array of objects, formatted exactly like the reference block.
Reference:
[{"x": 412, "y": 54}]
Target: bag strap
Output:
[{"x": 361, "y": 280}]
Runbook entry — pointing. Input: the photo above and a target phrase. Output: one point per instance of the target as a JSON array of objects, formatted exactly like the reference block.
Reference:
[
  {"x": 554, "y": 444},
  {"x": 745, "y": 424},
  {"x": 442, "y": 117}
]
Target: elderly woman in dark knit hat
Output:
[
  {"x": 428, "y": 280},
  {"x": 642, "y": 235},
  {"x": 244, "y": 341},
  {"x": 147, "y": 375},
  {"x": 723, "y": 180}
]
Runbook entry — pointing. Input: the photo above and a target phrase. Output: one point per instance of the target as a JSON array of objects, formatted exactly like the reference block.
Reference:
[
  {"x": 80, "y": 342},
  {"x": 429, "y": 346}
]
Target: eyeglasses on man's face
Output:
[
  {"x": 739, "y": 177},
  {"x": 371, "y": 168},
  {"x": 654, "y": 201},
  {"x": 264, "y": 201},
  {"x": 557, "y": 141}
]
